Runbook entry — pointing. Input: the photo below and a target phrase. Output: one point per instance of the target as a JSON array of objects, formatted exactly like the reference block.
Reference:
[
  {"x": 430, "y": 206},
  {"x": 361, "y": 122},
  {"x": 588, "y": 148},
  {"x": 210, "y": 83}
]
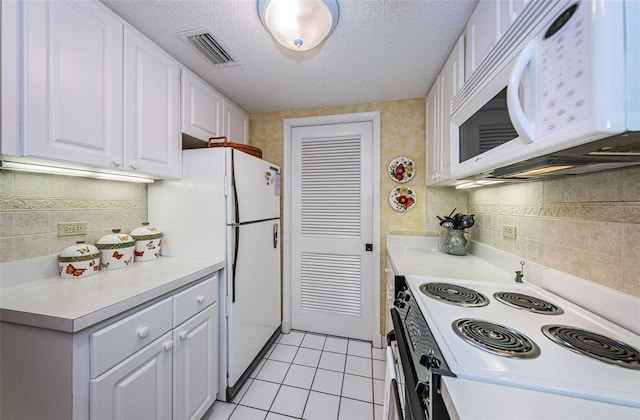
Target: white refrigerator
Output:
[{"x": 227, "y": 206}]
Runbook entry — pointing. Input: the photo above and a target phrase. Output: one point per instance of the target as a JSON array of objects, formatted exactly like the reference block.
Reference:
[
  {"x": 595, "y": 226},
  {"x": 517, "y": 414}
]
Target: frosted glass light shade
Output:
[{"x": 299, "y": 25}]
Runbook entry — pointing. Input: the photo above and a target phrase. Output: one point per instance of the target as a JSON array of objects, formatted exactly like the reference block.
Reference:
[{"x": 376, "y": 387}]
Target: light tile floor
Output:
[{"x": 313, "y": 377}]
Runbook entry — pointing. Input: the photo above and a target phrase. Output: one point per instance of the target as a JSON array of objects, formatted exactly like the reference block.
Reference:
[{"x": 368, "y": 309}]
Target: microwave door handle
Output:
[{"x": 521, "y": 123}]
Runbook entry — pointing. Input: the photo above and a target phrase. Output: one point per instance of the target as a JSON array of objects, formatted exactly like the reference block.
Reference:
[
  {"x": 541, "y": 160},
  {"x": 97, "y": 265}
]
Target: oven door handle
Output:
[{"x": 416, "y": 410}]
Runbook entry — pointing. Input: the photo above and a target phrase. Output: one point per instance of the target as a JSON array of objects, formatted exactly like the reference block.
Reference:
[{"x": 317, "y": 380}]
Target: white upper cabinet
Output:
[
  {"x": 509, "y": 11},
  {"x": 483, "y": 31},
  {"x": 9, "y": 69},
  {"x": 201, "y": 108},
  {"x": 236, "y": 123},
  {"x": 489, "y": 21},
  {"x": 438, "y": 116},
  {"x": 152, "y": 115},
  {"x": 72, "y": 83},
  {"x": 433, "y": 133},
  {"x": 206, "y": 113}
]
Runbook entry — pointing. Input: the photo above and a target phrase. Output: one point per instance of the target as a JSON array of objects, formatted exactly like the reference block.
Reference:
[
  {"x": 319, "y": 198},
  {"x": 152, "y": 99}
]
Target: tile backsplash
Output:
[
  {"x": 31, "y": 205},
  {"x": 586, "y": 225}
]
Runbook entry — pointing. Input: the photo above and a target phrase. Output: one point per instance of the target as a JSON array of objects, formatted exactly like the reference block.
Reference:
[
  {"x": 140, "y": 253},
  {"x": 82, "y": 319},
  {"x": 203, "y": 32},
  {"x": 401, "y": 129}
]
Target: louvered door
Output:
[{"x": 332, "y": 214}]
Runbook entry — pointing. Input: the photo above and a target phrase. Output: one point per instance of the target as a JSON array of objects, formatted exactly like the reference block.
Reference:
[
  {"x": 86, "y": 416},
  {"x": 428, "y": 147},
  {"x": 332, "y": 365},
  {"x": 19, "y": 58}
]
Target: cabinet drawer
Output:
[
  {"x": 191, "y": 301},
  {"x": 120, "y": 340}
]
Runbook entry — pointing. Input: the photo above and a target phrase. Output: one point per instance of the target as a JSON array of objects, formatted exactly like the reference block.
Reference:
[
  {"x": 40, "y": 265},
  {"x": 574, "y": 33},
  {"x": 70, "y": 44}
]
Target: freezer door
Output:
[
  {"x": 254, "y": 313},
  {"x": 255, "y": 187}
]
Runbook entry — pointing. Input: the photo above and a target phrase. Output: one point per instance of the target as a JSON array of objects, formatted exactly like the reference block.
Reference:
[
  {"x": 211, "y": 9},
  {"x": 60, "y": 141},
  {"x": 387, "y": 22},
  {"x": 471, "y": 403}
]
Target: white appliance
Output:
[
  {"x": 555, "y": 368},
  {"x": 564, "y": 75},
  {"x": 512, "y": 334},
  {"x": 227, "y": 206}
]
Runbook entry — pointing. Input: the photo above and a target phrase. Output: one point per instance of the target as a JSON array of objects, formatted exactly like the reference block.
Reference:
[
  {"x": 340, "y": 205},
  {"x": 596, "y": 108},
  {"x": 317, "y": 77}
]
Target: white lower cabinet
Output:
[
  {"x": 157, "y": 361},
  {"x": 138, "y": 388},
  {"x": 195, "y": 367},
  {"x": 175, "y": 376}
]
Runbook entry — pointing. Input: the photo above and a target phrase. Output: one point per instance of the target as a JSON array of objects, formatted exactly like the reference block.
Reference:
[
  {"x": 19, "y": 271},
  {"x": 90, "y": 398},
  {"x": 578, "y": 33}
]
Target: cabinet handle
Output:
[
  {"x": 183, "y": 335},
  {"x": 134, "y": 165},
  {"x": 200, "y": 299},
  {"x": 143, "y": 332},
  {"x": 116, "y": 162},
  {"x": 386, "y": 270},
  {"x": 168, "y": 345}
]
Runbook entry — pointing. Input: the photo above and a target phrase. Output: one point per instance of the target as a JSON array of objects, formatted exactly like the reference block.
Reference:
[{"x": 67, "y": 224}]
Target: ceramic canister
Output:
[
  {"x": 148, "y": 242},
  {"x": 116, "y": 250},
  {"x": 79, "y": 260}
]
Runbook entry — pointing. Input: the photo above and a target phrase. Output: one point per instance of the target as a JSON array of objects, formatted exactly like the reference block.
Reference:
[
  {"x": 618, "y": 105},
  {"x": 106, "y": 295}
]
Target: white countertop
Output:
[
  {"x": 484, "y": 401},
  {"x": 429, "y": 261},
  {"x": 467, "y": 399},
  {"x": 71, "y": 305}
]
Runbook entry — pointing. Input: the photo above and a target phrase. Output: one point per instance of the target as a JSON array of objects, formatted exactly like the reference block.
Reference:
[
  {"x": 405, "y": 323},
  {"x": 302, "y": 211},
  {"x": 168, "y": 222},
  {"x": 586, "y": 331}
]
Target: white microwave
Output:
[{"x": 564, "y": 75}]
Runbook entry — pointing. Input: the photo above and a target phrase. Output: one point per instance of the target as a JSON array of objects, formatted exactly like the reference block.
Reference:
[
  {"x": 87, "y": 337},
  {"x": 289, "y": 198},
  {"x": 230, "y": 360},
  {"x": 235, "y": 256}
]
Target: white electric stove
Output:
[{"x": 518, "y": 323}]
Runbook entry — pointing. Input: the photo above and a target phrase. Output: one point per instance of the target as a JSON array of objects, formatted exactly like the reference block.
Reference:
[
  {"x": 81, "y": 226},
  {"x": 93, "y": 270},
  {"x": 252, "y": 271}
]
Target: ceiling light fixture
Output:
[{"x": 299, "y": 25}]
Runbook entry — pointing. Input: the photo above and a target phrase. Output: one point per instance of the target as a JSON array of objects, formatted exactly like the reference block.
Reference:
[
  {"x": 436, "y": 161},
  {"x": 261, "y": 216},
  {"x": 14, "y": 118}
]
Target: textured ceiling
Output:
[{"x": 380, "y": 50}]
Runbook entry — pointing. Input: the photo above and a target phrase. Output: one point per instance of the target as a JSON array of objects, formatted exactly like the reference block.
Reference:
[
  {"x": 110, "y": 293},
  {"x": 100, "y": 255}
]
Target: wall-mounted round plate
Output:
[
  {"x": 401, "y": 169},
  {"x": 402, "y": 199}
]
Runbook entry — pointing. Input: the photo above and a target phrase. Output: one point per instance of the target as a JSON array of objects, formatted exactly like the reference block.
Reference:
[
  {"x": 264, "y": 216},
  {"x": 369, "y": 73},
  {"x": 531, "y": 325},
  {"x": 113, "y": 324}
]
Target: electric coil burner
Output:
[
  {"x": 593, "y": 345},
  {"x": 495, "y": 338},
  {"x": 529, "y": 303},
  {"x": 454, "y": 294}
]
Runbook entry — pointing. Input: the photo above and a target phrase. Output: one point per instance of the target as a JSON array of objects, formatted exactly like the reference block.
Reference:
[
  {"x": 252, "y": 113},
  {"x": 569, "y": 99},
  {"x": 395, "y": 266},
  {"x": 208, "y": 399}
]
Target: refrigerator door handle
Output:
[
  {"x": 275, "y": 235},
  {"x": 235, "y": 260}
]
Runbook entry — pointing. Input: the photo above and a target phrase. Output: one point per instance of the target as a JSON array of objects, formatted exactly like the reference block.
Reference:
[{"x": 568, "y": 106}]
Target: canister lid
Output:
[
  {"x": 146, "y": 232},
  {"x": 79, "y": 252},
  {"x": 115, "y": 240}
]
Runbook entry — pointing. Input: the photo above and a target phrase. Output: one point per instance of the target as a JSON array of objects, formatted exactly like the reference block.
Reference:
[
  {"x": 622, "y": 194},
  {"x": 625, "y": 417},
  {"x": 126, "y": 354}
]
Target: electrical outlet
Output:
[
  {"x": 72, "y": 228},
  {"x": 509, "y": 231}
]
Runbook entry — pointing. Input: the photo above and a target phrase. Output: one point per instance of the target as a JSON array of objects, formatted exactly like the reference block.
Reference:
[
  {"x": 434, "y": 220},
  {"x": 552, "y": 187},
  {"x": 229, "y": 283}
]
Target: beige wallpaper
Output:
[
  {"x": 31, "y": 205},
  {"x": 402, "y": 133}
]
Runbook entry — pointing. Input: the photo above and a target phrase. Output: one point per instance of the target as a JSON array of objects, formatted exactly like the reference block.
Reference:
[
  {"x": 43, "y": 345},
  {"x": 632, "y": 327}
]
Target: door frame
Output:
[{"x": 288, "y": 126}]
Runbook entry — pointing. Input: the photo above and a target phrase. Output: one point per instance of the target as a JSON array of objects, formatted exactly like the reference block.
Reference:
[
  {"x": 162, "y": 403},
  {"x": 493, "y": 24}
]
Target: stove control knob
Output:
[
  {"x": 404, "y": 296},
  {"x": 399, "y": 303},
  {"x": 429, "y": 361},
  {"x": 422, "y": 388}
]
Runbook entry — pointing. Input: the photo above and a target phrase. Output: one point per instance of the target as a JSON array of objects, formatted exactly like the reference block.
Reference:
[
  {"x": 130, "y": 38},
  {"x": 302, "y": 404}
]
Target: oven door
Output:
[{"x": 412, "y": 404}]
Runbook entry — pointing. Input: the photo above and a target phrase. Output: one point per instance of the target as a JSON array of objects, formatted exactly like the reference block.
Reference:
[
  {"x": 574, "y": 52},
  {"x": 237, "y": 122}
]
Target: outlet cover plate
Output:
[
  {"x": 509, "y": 231},
  {"x": 72, "y": 228}
]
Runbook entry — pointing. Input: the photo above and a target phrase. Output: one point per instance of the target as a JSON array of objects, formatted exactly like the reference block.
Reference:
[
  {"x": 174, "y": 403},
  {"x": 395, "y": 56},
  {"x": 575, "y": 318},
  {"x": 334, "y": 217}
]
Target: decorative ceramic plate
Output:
[
  {"x": 402, "y": 199},
  {"x": 401, "y": 169}
]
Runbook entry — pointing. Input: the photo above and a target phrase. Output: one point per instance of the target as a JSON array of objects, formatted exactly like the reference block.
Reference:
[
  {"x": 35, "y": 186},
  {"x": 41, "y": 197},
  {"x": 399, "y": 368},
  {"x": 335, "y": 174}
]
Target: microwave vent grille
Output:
[
  {"x": 205, "y": 44},
  {"x": 527, "y": 23}
]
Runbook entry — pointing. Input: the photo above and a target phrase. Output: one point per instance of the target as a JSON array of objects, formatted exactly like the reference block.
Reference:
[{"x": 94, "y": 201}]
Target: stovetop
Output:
[{"x": 540, "y": 363}]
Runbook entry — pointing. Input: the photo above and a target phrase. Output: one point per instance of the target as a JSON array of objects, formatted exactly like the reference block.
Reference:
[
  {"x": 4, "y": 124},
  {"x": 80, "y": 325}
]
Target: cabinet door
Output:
[
  {"x": 483, "y": 32},
  {"x": 391, "y": 293},
  {"x": 236, "y": 123},
  {"x": 72, "y": 82},
  {"x": 195, "y": 360},
  {"x": 201, "y": 108},
  {"x": 9, "y": 69},
  {"x": 509, "y": 11},
  {"x": 137, "y": 388},
  {"x": 433, "y": 135},
  {"x": 451, "y": 79},
  {"x": 152, "y": 101}
]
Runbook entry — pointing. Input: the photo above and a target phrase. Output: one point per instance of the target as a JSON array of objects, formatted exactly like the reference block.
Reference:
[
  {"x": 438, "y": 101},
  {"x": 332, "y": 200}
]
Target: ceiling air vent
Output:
[{"x": 203, "y": 41}]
